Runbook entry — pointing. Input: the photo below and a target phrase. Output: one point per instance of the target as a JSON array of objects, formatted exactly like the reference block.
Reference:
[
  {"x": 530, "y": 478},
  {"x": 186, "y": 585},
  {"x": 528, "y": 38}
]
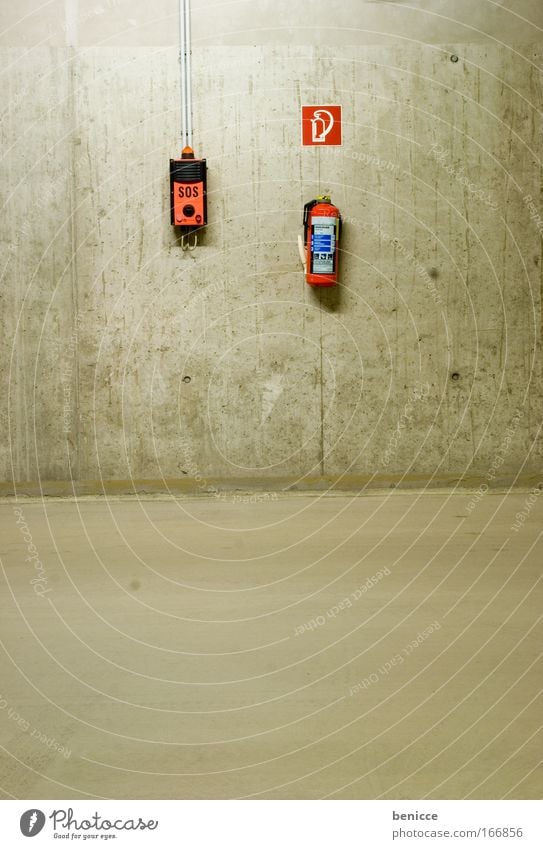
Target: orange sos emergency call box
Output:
[{"x": 188, "y": 192}]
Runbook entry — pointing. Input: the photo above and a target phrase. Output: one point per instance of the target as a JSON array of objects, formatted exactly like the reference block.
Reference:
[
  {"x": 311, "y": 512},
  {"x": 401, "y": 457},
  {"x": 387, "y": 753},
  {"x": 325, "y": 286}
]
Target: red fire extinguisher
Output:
[{"x": 322, "y": 231}]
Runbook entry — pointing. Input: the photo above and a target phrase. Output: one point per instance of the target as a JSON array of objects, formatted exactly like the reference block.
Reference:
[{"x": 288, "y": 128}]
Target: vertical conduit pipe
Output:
[
  {"x": 188, "y": 72},
  {"x": 183, "y": 71}
]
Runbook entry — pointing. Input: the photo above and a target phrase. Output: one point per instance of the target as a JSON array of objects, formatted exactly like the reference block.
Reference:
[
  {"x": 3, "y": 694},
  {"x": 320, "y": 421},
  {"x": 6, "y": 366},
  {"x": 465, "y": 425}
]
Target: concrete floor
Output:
[{"x": 166, "y": 648}]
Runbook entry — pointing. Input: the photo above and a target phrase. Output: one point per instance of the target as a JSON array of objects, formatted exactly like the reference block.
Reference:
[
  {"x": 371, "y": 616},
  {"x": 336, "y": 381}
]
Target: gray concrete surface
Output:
[
  {"x": 260, "y": 646},
  {"x": 87, "y": 23},
  {"x": 416, "y": 366}
]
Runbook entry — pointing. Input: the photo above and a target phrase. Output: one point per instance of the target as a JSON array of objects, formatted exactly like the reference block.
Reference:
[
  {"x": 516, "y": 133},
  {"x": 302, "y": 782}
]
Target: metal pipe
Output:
[
  {"x": 188, "y": 72},
  {"x": 183, "y": 71}
]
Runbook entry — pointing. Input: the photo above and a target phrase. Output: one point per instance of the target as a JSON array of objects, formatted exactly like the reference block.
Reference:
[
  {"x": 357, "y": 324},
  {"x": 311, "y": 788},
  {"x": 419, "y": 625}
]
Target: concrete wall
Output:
[{"x": 125, "y": 358}]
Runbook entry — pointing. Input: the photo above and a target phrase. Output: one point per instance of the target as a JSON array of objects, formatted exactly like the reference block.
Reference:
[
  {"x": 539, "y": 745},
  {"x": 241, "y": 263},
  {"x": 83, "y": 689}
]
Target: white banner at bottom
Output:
[{"x": 274, "y": 824}]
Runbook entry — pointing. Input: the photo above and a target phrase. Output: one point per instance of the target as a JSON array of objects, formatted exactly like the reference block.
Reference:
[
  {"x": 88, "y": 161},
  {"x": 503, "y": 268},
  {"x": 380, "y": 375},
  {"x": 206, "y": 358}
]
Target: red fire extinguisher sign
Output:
[{"x": 321, "y": 125}]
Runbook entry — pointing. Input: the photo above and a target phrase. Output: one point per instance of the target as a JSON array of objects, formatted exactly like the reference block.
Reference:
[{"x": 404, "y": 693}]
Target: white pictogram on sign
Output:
[{"x": 321, "y": 126}]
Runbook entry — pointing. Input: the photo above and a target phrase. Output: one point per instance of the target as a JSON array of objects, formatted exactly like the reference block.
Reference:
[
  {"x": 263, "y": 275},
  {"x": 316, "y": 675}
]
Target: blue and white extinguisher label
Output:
[{"x": 323, "y": 245}]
